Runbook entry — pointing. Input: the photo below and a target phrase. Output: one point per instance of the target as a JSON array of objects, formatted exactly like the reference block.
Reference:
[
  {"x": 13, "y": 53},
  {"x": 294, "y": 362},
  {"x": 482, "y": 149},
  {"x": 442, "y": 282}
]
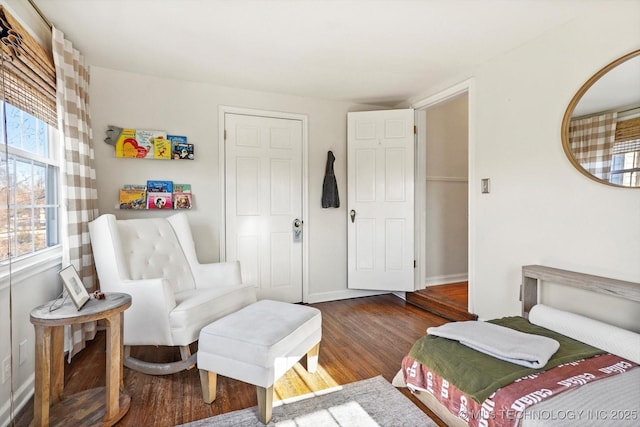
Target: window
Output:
[
  {"x": 29, "y": 164},
  {"x": 625, "y": 152},
  {"x": 29, "y": 203},
  {"x": 625, "y": 168}
]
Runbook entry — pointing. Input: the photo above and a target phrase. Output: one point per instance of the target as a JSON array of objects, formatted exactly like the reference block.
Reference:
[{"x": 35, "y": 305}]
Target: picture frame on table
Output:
[{"x": 74, "y": 286}]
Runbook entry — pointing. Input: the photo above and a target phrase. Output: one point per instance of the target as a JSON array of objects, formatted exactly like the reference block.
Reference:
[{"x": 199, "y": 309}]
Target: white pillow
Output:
[{"x": 607, "y": 337}]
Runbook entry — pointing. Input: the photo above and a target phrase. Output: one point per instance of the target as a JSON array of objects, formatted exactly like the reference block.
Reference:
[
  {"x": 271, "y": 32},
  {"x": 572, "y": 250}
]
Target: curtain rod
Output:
[
  {"x": 39, "y": 12},
  {"x": 622, "y": 112}
]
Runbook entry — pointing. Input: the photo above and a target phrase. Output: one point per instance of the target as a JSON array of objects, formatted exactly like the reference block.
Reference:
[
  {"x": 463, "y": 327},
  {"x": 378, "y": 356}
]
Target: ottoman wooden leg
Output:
[
  {"x": 208, "y": 381},
  {"x": 265, "y": 403},
  {"x": 312, "y": 358}
]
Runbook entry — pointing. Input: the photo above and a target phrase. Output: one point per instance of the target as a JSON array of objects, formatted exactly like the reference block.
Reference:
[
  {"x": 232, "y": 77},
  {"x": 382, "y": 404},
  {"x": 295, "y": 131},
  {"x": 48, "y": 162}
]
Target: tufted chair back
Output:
[{"x": 150, "y": 249}]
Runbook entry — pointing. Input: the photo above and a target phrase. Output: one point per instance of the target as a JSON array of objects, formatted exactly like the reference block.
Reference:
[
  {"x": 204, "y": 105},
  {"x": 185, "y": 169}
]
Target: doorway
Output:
[
  {"x": 447, "y": 182},
  {"x": 444, "y": 202},
  {"x": 263, "y": 163}
]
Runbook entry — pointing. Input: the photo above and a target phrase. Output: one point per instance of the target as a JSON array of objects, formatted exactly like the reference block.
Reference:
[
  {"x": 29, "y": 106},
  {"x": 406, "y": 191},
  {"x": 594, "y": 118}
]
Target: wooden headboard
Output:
[{"x": 532, "y": 275}]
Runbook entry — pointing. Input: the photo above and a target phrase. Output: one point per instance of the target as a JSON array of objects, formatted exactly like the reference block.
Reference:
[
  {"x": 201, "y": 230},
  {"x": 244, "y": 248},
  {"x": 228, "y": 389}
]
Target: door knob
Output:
[
  {"x": 297, "y": 230},
  {"x": 353, "y": 215}
]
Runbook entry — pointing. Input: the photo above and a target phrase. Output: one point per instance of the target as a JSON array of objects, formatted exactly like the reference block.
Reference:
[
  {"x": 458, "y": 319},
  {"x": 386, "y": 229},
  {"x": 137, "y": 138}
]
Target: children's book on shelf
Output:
[
  {"x": 135, "y": 187},
  {"x": 127, "y": 146},
  {"x": 159, "y": 200},
  {"x": 159, "y": 186},
  {"x": 137, "y": 143},
  {"x": 133, "y": 198},
  {"x": 182, "y": 200},
  {"x": 177, "y": 139},
  {"x": 161, "y": 149},
  {"x": 145, "y": 139},
  {"x": 182, "y": 188},
  {"x": 183, "y": 151}
]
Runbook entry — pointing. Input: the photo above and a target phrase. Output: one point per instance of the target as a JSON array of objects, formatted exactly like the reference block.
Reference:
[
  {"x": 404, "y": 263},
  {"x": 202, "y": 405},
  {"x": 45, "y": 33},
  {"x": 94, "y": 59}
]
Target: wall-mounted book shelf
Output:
[
  {"x": 149, "y": 144},
  {"x": 156, "y": 194}
]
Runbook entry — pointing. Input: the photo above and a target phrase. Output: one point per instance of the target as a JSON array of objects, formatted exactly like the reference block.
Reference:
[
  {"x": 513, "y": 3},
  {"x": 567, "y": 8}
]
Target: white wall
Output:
[
  {"x": 191, "y": 109},
  {"x": 446, "y": 191},
  {"x": 541, "y": 210}
]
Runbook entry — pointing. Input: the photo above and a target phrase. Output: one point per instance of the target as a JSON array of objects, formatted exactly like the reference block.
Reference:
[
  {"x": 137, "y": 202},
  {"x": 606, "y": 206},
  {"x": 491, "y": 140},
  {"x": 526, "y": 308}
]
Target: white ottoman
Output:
[{"x": 258, "y": 344}]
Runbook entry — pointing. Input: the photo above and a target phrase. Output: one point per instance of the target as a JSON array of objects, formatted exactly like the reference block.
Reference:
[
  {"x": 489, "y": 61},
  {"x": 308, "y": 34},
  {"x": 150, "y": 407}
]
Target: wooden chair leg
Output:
[
  {"x": 265, "y": 403},
  {"x": 208, "y": 381},
  {"x": 185, "y": 355},
  {"x": 312, "y": 358},
  {"x": 185, "y": 352}
]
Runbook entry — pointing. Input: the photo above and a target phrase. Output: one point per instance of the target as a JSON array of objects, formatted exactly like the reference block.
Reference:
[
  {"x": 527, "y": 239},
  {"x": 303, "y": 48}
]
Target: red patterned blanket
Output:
[{"x": 505, "y": 407}]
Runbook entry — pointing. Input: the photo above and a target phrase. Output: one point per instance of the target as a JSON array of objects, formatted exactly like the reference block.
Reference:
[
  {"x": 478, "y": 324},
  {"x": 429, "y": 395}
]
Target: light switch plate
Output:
[
  {"x": 484, "y": 185},
  {"x": 22, "y": 350}
]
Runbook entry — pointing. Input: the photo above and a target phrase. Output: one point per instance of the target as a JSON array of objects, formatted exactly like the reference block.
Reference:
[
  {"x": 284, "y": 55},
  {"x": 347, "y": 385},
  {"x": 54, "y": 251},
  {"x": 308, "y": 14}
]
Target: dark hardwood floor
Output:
[
  {"x": 449, "y": 301},
  {"x": 362, "y": 338}
]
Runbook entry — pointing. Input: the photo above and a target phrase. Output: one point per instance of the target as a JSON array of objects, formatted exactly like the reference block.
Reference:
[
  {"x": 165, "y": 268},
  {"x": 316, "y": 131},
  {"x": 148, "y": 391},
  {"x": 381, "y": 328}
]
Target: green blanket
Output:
[{"x": 477, "y": 374}]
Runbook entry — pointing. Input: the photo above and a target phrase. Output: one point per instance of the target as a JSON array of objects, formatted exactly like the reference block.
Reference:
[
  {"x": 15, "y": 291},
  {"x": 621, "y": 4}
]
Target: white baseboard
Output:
[
  {"x": 341, "y": 294},
  {"x": 401, "y": 295},
  {"x": 21, "y": 398},
  {"x": 446, "y": 279}
]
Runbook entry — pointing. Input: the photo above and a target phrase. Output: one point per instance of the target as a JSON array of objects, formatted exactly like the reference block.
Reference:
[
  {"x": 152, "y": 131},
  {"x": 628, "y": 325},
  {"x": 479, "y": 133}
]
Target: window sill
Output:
[{"x": 29, "y": 266}]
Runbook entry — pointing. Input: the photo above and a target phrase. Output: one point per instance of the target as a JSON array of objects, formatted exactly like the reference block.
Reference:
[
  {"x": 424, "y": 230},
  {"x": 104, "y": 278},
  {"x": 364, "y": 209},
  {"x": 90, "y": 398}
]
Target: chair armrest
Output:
[
  {"x": 146, "y": 322},
  {"x": 217, "y": 274}
]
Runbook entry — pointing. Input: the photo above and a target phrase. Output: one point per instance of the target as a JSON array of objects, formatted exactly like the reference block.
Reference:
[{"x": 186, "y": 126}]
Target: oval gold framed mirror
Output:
[{"x": 601, "y": 127}]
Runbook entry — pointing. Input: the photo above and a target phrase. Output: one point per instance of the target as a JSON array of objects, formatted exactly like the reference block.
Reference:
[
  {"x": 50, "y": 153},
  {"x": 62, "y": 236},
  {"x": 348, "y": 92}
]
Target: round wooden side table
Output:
[{"x": 98, "y": 406}]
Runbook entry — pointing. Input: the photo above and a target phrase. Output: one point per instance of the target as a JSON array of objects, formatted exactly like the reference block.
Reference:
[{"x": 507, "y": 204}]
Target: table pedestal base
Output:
[{"x": 86, "y": 408}]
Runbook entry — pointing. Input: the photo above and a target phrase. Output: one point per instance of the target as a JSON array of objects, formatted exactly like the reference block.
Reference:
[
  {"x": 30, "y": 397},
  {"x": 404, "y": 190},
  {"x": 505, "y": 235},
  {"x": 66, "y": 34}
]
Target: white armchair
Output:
[{"x": 173, "y": 295}]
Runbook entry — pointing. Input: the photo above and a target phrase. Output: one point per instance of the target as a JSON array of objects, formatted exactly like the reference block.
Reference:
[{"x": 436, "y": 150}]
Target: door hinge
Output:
[
  {"x": 414, "y": 263},
  {"x": 415, "y": 129},
  {"x": 225, "y": 134}
]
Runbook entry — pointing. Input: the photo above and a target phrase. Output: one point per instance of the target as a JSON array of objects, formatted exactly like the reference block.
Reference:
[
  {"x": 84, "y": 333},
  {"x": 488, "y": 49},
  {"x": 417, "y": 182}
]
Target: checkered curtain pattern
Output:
[
  {"x": 591, "y": 140},
  {"x": 79, "y": 193}
]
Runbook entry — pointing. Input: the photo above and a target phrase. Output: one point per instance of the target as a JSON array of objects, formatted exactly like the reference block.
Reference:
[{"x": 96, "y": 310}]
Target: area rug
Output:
[{"x": 368, "y": 403}]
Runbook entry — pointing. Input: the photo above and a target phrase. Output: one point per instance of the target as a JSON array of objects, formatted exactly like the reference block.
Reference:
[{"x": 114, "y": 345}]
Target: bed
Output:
[{"x": 592, "y": 378}]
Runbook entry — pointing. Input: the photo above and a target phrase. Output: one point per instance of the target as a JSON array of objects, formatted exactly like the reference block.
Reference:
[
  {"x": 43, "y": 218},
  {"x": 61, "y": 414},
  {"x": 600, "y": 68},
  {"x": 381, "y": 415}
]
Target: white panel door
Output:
[
  {"x": 263, "y": 198},
  {"x": 380, "y": 200}
]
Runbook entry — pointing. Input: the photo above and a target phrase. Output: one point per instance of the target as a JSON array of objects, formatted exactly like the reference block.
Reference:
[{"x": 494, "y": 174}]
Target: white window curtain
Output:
[
  {"x": 78, "y": 176},
  {"x": 591, "y": 140}
]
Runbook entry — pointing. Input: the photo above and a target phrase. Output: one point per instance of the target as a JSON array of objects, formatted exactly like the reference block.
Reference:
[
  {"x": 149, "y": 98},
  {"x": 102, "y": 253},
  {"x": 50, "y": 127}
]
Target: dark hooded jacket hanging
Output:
[{"x": 330, "y": 198}]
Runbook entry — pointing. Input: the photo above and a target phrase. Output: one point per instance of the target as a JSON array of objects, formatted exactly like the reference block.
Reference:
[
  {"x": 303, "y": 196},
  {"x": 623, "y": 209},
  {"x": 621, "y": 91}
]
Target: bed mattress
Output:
[{"x": 614, "y": 400}]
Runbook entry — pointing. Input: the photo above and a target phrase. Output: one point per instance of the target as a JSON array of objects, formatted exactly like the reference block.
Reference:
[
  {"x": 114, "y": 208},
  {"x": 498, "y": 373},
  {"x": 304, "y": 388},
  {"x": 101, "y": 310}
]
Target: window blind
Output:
[
  {"x": 27, "y": 71},
  {"x": 628, "y": 129},
  {"x": 627, "y": 136}
]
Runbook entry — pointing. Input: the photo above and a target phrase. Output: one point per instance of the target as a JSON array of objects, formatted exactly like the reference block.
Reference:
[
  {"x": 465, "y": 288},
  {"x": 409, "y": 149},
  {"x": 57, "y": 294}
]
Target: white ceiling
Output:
[
  {"x": 618, "y": 88},
  {"x": 369, "y": 51}
]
